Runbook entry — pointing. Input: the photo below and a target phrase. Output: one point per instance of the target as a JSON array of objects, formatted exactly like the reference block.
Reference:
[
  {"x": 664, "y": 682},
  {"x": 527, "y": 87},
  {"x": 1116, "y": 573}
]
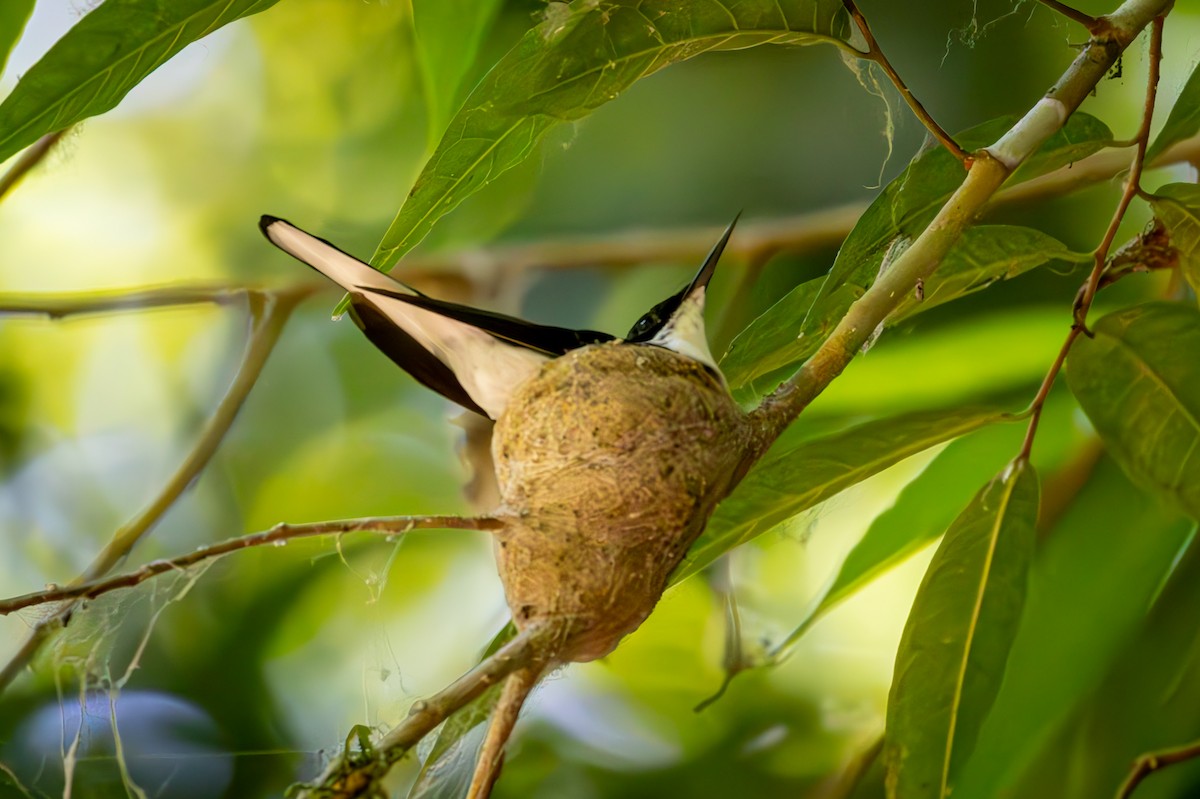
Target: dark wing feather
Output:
[
  {"x": 406, "y": 353},
  {"x": 553, "y": 341}
]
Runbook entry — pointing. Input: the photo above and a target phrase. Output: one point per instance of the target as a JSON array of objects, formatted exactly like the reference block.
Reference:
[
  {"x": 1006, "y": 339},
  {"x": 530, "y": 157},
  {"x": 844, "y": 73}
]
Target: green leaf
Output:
[
  {"x": 910, "y": 202},
  {"x": 1096, "y": 574},
  {"x": 781, "y": 337},
  {"x": 770, "y": 341},
  {"x": 1159, "y": 670},
  {"x": 13, "y": 16},
  {"x": 984, "y": 255},
  {"x": 90, "y": 69},
  {"x": 1184, "y": 119},
  {"x": 1138, "y": 381},
  {"x": 921, "y": 513},
  {"x": 581, "y": 56},
  {"x": 956, "y": 642},
  {"x": 1177, "y": 206},
  {"x": 792, "y": 477},
  {"x": 448, "y": 36}
]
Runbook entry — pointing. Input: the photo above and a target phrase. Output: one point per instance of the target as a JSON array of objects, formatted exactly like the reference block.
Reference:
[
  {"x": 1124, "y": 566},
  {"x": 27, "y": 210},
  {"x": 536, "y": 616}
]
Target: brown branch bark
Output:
[
  {"x": 389, "y": 525},
  {"x": 1087, "y": 293}
]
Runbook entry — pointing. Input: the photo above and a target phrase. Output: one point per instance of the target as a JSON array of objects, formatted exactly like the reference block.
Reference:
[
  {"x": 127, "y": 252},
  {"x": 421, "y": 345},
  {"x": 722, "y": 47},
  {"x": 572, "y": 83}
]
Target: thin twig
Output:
[
  {"x": 355, "y": 775},
  {"x": 33, "y": 155},
  {"x": 387, "y": 525},
  {"x": 1151, "y": 762},
  {"x": 874, "y": 53},
  {"x": 60, "y": 306},
  {"x": 1086, "y": 20},
  {"x": 755, "y": 240},
  {"x": 1087, "y": 293},
  {"x": 270, "y": 312}
]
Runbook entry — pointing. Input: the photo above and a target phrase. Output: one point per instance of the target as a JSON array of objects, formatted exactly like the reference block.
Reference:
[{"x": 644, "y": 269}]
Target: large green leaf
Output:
[
  {"x": 448, "y": 35},
  {"x": 1096, "y": 574},
  {"x": 1177, "y": 206},
  {"x": 921, "y": 513},
  {"x": 910, "y": 201},
  {"x": 1149, "y": 700},
  {"x": 1138, "y": 380},
  {"x": 580, "y": 57},
  {"x": 13, "y": 16},
  {"x": 108, "y": 52},
  {"x": 1184, "y": 119},
  {"x": 792, "y": 477},
  {"x": 956, "y": 643}
]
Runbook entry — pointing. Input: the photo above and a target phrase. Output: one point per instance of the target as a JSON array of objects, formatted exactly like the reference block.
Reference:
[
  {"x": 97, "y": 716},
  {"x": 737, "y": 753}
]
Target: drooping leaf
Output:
[
  {"x": 1184, "y": 119},
  {"x": 1096, "y": 574},
  {"x": 957, "y": 639},
  {"x": 580, "y": 57},
  {"x": 1177, "y": 206},
  {"x": 448, "y": 36},
  {"x": 13, "y": 16},
  {"x": 1138, "y": 380},
  {"x": 910, "y": 201},
  {"x": 108, "y": 52},
  {"x": 921, "y": 513},
  {"x": 794, "y": 477}
]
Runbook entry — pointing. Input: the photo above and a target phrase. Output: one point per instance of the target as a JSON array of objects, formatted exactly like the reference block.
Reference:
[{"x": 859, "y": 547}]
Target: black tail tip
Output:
[{"x": 265, "y": 221}]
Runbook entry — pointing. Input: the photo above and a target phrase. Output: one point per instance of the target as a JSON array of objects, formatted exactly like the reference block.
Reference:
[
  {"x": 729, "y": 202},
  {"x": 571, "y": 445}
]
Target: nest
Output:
[{"x": 609, "y": 462}]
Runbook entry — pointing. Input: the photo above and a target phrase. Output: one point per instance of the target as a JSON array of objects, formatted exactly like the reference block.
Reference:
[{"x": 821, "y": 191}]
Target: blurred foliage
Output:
[{"x": 481, "y": 123}]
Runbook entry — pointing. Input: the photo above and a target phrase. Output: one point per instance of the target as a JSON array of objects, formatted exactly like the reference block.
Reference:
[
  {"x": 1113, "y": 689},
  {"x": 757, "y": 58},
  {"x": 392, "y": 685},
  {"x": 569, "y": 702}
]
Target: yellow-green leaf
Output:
[
  {"x": 108, "y": 52},
  {"x": 1138, "y": 380},
  {"x": 955, "y": 645},
  {"x": 581, "y": 56}
]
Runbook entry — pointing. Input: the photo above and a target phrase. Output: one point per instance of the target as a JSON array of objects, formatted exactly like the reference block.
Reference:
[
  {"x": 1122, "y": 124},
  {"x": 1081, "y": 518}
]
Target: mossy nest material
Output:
[{"x": 610, "y": 462}]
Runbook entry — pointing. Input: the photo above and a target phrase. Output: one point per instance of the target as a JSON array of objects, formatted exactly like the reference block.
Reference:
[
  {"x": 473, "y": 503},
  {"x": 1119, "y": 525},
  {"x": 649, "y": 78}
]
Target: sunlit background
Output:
[{"x": 314, "y": 111}]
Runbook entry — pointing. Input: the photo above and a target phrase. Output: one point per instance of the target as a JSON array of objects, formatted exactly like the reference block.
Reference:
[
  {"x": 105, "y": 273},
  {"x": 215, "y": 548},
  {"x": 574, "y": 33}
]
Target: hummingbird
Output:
[{"x": 477, "y": 358}]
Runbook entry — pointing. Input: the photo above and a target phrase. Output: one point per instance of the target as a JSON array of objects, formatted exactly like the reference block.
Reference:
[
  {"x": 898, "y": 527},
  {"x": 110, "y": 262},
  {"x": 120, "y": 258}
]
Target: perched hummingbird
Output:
[{"x": 474, "y": 357}]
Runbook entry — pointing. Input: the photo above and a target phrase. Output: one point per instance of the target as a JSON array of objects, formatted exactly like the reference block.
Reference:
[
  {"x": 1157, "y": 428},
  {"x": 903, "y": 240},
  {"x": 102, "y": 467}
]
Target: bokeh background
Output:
[{"x": 314, "y": 111}]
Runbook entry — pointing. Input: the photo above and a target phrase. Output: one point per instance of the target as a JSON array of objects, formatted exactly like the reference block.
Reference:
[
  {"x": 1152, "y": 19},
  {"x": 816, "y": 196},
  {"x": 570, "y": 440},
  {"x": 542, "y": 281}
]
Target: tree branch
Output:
[
  {"x": 1151, "y": 762},
  {"x": 1086, "y": 20},
  {"x": 354, "y": 775},
  {"x": 387, "y": 525},
  {"x": 60, "y": 306},
  {"x": 755, "y": 242},
  {"x": 1087, "y": 292},
  {"x": 875, "y": 54},
  {"x": 33, "y": 155},
  {"x": 269, "y": 312},
  {"x": 989, "y": 169}
]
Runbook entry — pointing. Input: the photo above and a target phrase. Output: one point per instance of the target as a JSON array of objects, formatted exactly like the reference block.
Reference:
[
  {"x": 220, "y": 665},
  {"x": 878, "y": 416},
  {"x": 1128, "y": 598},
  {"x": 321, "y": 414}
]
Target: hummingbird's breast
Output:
[{"x": 609, "y": 461}]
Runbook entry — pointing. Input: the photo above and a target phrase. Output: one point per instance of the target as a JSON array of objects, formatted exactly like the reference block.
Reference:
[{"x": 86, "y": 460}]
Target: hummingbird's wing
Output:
[
  {"x": 475, "y": 358},
  {"x": 677, "y": 323}
]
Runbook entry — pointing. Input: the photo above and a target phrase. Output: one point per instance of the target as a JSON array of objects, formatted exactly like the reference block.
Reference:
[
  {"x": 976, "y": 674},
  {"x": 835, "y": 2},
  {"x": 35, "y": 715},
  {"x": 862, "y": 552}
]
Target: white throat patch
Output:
[{"x": 685, "y": 332}]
